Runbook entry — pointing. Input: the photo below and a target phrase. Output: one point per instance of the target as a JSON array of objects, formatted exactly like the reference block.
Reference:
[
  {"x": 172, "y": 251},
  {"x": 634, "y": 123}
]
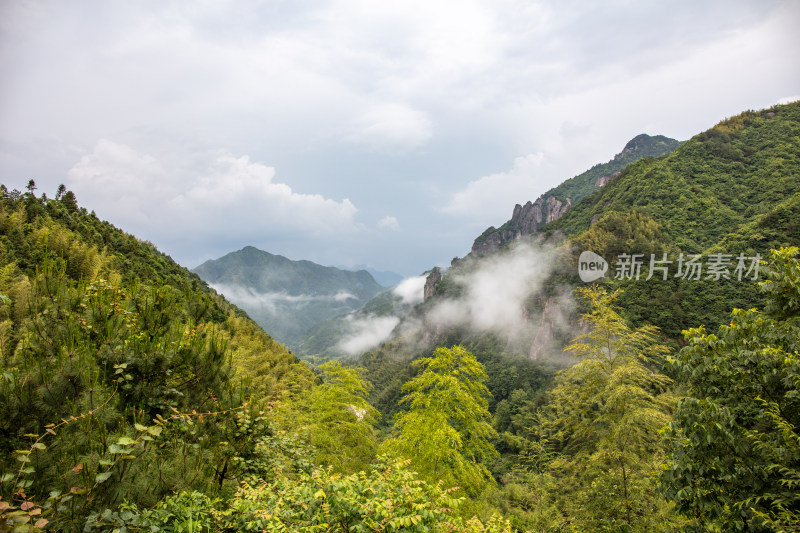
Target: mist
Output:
[
  {"x": 269, "y": 302},
  {"x": 366, "y": 333},
  {"x": 495, "y": 292}
]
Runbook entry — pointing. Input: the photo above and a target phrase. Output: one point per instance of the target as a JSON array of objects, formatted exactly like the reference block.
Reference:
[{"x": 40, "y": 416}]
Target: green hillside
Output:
[
  {"x": 734, "y": 189},
  {"x": 579, "y": 448},
  {"x": 134, "y": 397},
  {"x": 110, "y": 353},
  {"x": 573, "y": 190},
  {"x": 640, "y": 147},
  {"x": 285, "y": 297},
  {"x": 711, "y": 185}
]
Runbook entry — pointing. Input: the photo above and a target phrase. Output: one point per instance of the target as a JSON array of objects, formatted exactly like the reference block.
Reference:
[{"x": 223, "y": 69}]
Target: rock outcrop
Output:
[
  {"x": 525, "y": 220},
  {"x": 430, "y": 283},
  {"x": 602, "y": 181},
  {"x": 545, "y": 335},
  {"x": 528, "y": 218}
]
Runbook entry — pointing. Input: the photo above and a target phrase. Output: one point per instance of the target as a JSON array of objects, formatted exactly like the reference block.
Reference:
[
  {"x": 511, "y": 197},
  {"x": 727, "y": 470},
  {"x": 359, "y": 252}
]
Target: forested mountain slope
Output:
[
  {"x": 732, "y": 190},
  {"x": 554, "y": 203},
  {"x": 134, "y": 398},
  {"x": 285, "y": 297},
  {"x": 107, "y": 344}
]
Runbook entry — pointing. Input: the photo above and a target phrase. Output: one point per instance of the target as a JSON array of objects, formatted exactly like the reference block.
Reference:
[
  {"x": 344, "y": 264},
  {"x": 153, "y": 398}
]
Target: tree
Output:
[
  {"x": 60, "y": 191},
  {"x": 31, "y": 186},
  {"x": 733, "y": 459},
  {"x": 388, "y": 497},
  {"x": 340, "y": 421},
  {"x": 602, "y": 421},
  {"x": 447, "y": 428},
  {"x": 69, "y": 201}
]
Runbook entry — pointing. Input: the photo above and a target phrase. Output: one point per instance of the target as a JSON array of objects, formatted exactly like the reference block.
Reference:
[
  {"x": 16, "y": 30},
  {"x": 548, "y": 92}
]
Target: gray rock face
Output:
[
  {"x": 602, "y": 181},
  {"x": 525, "y": 220},
  {"x": 430, "y": 283}
]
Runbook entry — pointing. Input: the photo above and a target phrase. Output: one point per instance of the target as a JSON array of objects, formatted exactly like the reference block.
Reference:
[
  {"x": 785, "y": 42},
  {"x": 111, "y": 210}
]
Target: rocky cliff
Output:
[{"x": 527, "y": 219}]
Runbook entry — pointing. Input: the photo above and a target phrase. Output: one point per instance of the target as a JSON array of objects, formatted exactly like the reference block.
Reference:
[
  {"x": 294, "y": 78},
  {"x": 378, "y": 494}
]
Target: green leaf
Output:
[{"x": 100, "y": 478}]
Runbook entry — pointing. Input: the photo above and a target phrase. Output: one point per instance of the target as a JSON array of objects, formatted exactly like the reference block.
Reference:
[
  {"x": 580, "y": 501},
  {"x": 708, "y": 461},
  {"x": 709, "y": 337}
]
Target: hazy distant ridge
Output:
[{"x": 287, "y": 297}]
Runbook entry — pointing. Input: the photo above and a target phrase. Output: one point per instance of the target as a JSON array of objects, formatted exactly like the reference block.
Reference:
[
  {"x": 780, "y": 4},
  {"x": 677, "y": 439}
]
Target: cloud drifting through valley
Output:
[
  {"x": 495, "y": 293},
  {"x": 272, "y": 302},
  {"x": 495, "y": 297}
]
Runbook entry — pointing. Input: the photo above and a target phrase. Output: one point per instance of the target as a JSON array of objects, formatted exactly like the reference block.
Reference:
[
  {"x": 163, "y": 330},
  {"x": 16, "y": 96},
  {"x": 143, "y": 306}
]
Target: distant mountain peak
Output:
[
  {"x": 284, "y": 296},
  {"x": 528, "y": 218}
]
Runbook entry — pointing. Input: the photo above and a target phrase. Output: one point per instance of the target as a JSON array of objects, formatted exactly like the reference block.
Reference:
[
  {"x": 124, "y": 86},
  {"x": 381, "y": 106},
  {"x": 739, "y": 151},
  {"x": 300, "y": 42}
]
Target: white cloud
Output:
[
  {"x": 495, "y": 292},
  {"x": 221, "y": 197},
  {"x": 354, "y": 98},
  {"x": 389, "y": 222},
  {"x": 788, "y": 99},
  {"x": 493, "y": 196},
  {"x": 343, "y": 296},
  {"x": 411, "y": 289},
  {"x": 272, "y": 302},
  {"x": 366, "y": 333},
  {"x": 391, "y": 127}
]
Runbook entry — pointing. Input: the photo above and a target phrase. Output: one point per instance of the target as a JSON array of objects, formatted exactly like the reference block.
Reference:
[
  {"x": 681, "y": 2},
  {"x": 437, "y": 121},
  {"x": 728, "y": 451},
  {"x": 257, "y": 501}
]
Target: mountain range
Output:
[
  {"x": 287, "y": 297},
  {"x": 337, "y": 336},
  {"x": 731, "y": 190},
  {"x": 550, "y": 206},
  {"x": 135, "y": 396}
]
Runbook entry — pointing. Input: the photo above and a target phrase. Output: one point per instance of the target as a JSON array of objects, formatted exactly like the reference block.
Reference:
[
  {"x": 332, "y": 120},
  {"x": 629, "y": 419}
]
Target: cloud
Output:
[
  {"x": 411, "y": 290},
  {"x": 391, "y": 127},
  {"x": 220, "y": 197},
  {"x": 393, "y": 105},
  {"x": 343, "y": 296},
  {"x": 493, "y": 196},
  {"x": 495, "y": 292},
  {"x": 272, "y": 302},
  {"x": 367, "y": 333},
  {"x": 388, "y": 222}
]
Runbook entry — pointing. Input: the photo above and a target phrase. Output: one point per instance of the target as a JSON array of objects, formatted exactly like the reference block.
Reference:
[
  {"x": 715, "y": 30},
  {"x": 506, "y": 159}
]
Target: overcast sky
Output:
[{"x": 360, "y": 131}]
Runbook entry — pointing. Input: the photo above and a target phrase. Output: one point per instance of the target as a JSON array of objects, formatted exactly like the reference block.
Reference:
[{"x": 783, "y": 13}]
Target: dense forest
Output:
[{"x": 135, "y": 398}]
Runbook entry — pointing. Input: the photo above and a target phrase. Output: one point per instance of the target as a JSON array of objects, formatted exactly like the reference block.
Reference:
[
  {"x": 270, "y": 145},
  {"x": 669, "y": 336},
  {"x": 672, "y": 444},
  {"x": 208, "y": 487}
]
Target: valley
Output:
[{"x": 497, "y": 393}]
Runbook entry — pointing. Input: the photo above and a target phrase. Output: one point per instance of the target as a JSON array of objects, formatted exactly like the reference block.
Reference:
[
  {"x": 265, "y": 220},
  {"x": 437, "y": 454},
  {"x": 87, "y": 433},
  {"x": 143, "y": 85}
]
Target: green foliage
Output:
[
  {"x": 338, "y": 419},
  {"x": 732, "y": 189},
  {"x": 711, "y": 184},
  {"x": 446, "y": 429},
  {"x": 733, "y": 445},
  {"x": 577, "y": 188},
  {"x": 592, "y": 451},
  {"x": 117, "y": 375},
  {"x": 387, "y": 498}
]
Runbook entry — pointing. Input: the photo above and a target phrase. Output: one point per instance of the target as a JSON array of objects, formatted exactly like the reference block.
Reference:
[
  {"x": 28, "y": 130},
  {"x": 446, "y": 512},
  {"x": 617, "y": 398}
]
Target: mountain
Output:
[
  {"x": 107, "y": 345},
  {"x": 712, "y": 185},
  {"x": 731, "y": 190},
  {"x": 287, "y": 297},
  {"x": 550, "y": 206},
  {"x": 387, "y": 278}
]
